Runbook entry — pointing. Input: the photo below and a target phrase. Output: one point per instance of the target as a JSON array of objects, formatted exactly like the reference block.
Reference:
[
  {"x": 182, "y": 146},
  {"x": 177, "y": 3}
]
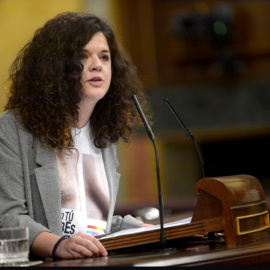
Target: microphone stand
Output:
[
  {"x": 188, "y": 133},
  {"x": 161, "y": 206}
]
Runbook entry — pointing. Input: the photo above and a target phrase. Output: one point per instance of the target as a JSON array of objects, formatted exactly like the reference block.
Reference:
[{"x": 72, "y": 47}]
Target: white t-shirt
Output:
[{"x": 84, "y": 187}]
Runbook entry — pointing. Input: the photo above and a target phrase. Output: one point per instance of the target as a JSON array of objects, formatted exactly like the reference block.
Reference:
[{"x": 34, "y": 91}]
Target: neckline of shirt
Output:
[{"x": 83, "y": 130}]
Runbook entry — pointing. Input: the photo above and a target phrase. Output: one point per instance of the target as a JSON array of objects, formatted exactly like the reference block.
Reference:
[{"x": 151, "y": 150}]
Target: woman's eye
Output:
[{"x": 105, "y": 57}]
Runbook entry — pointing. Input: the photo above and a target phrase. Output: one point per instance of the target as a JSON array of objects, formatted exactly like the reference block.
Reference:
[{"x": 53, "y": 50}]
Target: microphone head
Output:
[{"x": 146, "y": 125}]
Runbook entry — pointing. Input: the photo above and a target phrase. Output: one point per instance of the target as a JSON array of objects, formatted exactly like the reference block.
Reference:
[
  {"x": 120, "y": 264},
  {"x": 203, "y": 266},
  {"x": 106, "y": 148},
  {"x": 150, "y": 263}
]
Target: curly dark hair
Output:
[{"x": 45, "y": 84}]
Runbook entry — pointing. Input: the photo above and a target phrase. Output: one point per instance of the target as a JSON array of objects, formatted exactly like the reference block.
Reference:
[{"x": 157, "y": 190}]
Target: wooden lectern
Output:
[
  {"x": 234, "y": 205},
  {"x": 239, "y": 201}
]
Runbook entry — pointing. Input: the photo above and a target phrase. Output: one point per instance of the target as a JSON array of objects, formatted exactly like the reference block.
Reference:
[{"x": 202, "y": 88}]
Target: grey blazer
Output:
[{"x": 29, "y": 182}]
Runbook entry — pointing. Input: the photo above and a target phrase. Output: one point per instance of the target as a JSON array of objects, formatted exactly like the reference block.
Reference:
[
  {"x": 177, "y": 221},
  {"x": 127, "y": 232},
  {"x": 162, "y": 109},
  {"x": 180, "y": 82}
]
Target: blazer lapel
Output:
[
  {"x": 48, "y": 183},
  {"x": 110, "y": 164}
]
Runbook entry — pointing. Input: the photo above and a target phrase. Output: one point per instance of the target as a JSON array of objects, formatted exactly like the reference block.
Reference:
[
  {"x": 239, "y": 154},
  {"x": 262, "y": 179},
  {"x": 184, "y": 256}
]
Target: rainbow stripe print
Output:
[{"x": 94, "y": 230}]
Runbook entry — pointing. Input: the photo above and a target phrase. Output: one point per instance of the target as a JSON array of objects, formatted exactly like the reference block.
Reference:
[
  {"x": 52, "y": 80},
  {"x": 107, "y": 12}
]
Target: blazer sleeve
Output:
[
  {"x": 13, "y": 203},
  {"x": 123, "y": 223}
]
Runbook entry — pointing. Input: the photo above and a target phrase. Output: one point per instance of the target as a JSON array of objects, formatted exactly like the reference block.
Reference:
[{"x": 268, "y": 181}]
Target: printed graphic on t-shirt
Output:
[
  {"x": 96, "y": 193},
  {"x": 67, "y": 169},
  {"x": 74, "y": 221},
  {"x": 84, "y": 191}
]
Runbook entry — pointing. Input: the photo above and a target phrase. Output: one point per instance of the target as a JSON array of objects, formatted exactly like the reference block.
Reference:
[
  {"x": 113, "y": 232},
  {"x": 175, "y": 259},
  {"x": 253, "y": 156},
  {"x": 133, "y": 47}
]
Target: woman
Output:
[{"x": 70, "y": 103}]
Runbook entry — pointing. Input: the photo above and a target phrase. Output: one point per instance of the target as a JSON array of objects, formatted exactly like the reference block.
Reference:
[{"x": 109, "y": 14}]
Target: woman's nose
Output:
[{"x": 96, "y": 65}]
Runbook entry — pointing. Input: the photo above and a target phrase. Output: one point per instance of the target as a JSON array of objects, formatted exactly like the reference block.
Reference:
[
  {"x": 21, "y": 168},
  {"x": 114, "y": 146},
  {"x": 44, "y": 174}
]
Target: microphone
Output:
[
  {"x": 188, "y": 133},
  {"x": 152, "y": 137}
]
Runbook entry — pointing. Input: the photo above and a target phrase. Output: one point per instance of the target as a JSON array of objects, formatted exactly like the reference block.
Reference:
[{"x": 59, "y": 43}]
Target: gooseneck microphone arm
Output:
[
  {"x": 188, "y": 133},
  {"x": 152, "y": 137}
]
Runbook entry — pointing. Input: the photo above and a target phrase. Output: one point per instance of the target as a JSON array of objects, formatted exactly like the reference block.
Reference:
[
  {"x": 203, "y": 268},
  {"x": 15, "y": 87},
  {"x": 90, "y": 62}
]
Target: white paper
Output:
[{"x": 150, "y": 228}]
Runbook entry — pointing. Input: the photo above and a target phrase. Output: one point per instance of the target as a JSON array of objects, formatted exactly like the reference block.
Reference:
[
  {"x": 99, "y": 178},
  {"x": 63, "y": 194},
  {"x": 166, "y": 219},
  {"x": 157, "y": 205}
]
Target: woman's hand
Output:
[{"x": 81, "y": 245}]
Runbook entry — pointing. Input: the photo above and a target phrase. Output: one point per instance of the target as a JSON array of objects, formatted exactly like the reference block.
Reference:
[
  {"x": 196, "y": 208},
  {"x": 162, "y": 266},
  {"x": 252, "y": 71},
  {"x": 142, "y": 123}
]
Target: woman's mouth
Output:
[{"x": 95, "y": 81}]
